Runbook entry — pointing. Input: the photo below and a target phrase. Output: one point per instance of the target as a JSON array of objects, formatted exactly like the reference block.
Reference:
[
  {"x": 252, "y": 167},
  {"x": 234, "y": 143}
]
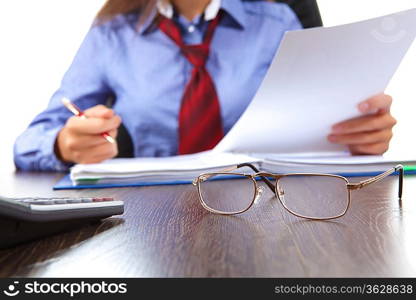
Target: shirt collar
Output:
[
  {"x": 234, "y": 8},
  {"x": 166, "y": 9}
]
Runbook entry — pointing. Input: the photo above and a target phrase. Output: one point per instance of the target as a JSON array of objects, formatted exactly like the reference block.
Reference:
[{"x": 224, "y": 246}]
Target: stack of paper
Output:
[
  {"x": 347, "y": 165},
  {"x": 176, "y": 169}
]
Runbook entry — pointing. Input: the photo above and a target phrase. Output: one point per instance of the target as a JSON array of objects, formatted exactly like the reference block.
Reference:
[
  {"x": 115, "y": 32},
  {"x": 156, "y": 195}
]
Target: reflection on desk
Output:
[{"x": 165, "y": 232}]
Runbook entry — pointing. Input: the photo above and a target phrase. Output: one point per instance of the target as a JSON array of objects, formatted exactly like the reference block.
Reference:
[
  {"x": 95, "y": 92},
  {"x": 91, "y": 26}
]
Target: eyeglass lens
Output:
[
  {"x": 227, "y": 193},
  {"x": 314, "y": 196}
]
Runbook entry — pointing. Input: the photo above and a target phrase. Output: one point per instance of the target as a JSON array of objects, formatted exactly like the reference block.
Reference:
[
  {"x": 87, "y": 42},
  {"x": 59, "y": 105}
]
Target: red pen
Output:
[{"x": 78, "y": 112}]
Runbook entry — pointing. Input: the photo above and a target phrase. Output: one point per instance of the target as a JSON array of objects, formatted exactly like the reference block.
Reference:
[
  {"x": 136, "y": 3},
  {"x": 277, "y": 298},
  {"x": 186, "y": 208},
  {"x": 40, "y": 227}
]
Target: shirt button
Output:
[{"x": 191, "y": 28}]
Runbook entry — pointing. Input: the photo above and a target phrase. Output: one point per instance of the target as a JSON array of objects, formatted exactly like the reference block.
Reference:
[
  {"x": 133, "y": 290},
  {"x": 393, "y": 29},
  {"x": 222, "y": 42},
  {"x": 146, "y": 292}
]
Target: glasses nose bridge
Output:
[
  {"x": 275, "y": 187},
  {"x": 259, "y": 193}
]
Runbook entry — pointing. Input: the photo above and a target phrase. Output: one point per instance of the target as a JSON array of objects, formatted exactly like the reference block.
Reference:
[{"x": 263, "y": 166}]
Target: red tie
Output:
[{"x": 200, "y": 123}]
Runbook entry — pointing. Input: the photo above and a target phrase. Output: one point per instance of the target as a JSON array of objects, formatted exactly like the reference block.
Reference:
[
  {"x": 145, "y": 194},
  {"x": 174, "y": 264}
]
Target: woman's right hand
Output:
[{"x": 80, "y": 141}]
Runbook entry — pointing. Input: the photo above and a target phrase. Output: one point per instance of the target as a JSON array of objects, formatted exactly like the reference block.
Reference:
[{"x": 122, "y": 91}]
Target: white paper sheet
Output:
[
  {"x": 316, "y": 80},
  {"x": 347, "y": 159},
  {"x": 173, "y": 166}
]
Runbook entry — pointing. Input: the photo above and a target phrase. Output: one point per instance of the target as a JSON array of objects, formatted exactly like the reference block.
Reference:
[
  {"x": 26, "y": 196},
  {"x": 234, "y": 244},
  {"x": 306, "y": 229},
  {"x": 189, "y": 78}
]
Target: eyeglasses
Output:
[{"x": 306, "y": 195}]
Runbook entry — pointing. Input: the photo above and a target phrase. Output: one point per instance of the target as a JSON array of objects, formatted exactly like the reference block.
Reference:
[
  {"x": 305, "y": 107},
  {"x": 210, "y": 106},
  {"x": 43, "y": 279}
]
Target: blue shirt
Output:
[{"x": 147, "y": 74}]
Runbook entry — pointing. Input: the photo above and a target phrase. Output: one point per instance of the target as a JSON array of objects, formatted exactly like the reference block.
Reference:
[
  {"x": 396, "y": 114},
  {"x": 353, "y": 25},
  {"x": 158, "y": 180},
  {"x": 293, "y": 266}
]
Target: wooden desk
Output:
[{"x": 166, "y": 233}]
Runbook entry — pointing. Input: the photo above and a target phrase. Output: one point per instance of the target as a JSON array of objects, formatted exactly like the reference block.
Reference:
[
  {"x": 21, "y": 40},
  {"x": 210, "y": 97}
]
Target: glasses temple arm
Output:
[
  {"x": 401, "y": 176},
  {"x": 361, "y": 184},
  {"x": 265, "y": 180}
]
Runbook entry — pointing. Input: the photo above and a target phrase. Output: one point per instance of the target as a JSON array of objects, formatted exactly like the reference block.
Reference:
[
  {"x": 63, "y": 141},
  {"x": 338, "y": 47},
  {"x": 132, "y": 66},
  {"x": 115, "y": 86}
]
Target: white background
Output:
[{"x": 40, "y": 38}]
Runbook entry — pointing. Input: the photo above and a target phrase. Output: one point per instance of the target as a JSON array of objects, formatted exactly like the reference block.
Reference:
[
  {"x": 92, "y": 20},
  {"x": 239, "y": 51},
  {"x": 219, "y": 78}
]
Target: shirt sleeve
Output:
[{"x": 84, "y": 83}]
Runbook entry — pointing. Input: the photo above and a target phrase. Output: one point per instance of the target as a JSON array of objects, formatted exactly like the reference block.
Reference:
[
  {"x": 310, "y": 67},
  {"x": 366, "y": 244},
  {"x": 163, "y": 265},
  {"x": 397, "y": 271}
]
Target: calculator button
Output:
[
  {"x": 42, "y": 202},
  {"x": 86, "y": 200},
  {"x": 60, "y": 201},
  {"x": 105, "y": 199},
  {"x": 24, "y": 200},
  {"x": 108, "y": 199},
  {"x": 75, "y": 200}
]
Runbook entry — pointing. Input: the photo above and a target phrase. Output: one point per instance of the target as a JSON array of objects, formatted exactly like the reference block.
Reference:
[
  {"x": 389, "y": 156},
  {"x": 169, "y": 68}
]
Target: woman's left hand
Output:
[{"x": 368, "y": 134}]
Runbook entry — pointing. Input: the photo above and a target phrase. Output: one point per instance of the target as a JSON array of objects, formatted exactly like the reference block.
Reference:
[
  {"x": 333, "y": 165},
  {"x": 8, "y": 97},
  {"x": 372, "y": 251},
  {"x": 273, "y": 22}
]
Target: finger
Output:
[
  {"x": 365, "y": 123},
  {"x": 369, "y": 149},
  {"x": 93, "y": 125},
  {"x": 113, "y": 133},
  {"x": 101, "y": 158},
  {"x": 85, "y": 141},
  {"x": 99, "y": 111},
  {"x": 106, "y": 151},
  {"x": 97, "y": 154},
  {"x": 100, "y": 138},
  {"x": 381, "y": 102},
  {"x": 361, "y": 138}
]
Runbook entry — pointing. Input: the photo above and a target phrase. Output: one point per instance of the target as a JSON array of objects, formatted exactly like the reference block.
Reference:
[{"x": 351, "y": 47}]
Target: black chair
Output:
[{"x": 308, "y": 14}]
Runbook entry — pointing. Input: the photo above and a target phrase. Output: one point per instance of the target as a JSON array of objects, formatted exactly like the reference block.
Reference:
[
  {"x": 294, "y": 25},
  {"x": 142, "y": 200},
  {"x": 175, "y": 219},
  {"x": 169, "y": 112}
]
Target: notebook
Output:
[{"x": 317, "y": 79}]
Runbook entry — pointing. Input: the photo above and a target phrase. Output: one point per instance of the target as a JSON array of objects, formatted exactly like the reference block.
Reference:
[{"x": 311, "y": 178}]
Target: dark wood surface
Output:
[{"x": 165, "y": 232}]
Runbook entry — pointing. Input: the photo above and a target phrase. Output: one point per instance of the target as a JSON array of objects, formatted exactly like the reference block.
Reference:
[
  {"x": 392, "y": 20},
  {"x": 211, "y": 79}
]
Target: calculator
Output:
[{"x": 24, "y": 219}]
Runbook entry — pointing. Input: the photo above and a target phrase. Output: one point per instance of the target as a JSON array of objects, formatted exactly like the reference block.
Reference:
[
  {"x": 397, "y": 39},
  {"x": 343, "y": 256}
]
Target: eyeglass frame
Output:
[{"x": 274, "y": 187}]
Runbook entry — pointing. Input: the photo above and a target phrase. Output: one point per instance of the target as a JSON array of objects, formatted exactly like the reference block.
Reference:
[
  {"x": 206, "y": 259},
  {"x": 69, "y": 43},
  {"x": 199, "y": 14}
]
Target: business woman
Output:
[{"x": 181, "y": 72}]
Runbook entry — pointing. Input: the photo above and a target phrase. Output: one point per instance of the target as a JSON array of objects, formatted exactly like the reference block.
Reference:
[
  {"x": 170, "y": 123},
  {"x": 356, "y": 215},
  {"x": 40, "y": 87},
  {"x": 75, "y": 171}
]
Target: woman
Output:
[{"x": 178, "y": 70}]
